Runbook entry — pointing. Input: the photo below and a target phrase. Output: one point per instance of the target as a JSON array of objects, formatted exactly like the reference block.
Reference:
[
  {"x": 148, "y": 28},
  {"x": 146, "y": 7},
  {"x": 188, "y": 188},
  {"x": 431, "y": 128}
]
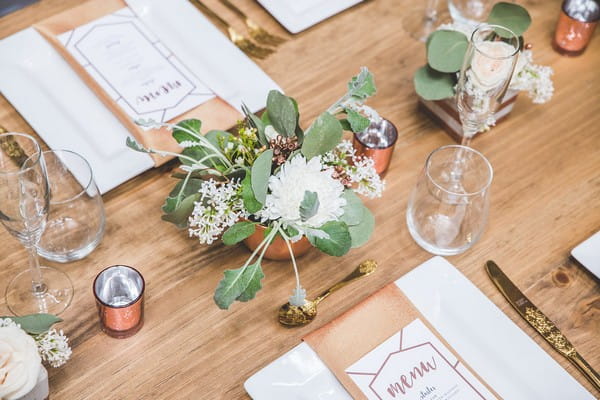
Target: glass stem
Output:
[
  {"x": 37, "y": 282},
  {"x": 431, "y": 10}
]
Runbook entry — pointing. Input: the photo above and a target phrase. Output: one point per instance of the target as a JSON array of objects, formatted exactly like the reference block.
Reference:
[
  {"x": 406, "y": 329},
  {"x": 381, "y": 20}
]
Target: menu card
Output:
[
  {"x": 134, "y": 67},
  {"x": 383, "y": 348}
]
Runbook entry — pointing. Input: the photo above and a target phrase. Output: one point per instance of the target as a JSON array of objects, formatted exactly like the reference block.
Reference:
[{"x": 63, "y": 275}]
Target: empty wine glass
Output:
[
  {"x": 447, "y": 214},
  {"x": 484, "y": 77},
  {"x": 420, "y": 19},
  {"x": 24, "y": 201}
]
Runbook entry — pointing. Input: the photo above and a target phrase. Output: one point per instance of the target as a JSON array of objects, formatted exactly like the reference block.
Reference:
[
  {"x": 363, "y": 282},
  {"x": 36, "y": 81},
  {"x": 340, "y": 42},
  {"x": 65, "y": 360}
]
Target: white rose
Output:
[
  {"x": 488, "y": 65},
  {"x": 20, "y": 363}
]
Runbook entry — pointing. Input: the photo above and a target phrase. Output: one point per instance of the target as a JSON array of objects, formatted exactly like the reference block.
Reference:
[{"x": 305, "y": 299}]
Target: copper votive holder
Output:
[
  {"x": 119, "y": 292},
  {"x": 377, "y": 142},
  {"x": 575, "y": 26}
]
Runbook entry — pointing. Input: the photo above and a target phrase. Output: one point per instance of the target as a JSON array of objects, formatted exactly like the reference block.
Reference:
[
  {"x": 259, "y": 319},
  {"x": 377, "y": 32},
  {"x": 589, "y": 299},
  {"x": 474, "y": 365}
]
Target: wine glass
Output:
[
  {"x": 469, "y": 12},
  {"x": 446, "y": 218},
  {"x": 24, "y": 202},
  {"x": 484, "y": 77},
  {"x": 422, "y": 18}
]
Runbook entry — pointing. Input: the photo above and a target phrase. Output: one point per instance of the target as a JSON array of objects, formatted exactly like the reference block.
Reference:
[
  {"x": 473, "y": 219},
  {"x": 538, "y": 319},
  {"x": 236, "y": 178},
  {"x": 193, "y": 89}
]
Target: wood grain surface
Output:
[{"x": 545, "y": 200}]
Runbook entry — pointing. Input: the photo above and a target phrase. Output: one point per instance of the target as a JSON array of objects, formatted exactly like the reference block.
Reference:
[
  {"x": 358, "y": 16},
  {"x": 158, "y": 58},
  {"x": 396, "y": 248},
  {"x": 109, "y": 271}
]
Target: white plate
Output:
[
  {"x": 298, "y": 15},
  {"x": 68, "y": 115},
  {"x": 497, "y": 349},
  {"x": 588, "y": 254}
]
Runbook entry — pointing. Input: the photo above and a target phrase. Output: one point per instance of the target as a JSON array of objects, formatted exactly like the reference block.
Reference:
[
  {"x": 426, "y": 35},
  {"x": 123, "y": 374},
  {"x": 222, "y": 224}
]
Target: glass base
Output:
[
  {"x": 429, "y": 247},
  {"x": 54, "y": 299}
]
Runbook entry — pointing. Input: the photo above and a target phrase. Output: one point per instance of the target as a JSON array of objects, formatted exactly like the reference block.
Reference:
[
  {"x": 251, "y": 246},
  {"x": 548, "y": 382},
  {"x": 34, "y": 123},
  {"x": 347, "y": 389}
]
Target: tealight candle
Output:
[
  {"x": 119, "y": 292},
  {"x": 377, "y": 142}
]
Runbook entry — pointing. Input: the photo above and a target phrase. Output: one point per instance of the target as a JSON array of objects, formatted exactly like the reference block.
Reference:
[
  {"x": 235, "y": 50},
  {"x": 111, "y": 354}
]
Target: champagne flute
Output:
[
  {"x": 24, "y": 202},
  {"x": 485, "y": 76}
]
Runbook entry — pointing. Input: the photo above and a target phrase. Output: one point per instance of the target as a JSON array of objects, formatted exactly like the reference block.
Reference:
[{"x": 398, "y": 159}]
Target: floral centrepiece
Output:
[
  {"x": 273, "y": 174},
  {"x": 26, "y": 342},
  {"x": 446, "y": 48}
]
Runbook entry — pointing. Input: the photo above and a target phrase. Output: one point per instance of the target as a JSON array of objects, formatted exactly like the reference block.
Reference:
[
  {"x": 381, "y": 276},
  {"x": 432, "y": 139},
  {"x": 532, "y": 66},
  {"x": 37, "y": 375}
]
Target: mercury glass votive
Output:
[
  {"x": 576, "y": 24},
  {"x": 377, "y": 142},
  {"x": 119, "y": 292}
]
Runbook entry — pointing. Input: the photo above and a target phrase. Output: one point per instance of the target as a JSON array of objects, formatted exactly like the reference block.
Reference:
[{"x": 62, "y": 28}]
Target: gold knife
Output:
[{"x": 540, "y": 322}]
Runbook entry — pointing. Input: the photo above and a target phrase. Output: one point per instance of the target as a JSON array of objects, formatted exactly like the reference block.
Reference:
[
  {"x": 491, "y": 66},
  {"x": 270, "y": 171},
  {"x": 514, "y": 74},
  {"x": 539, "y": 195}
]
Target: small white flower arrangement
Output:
[
  {"x": 446, "y": 48},
  {"x": 295, "y": 183},
  {"x": 25, "y": 344}
]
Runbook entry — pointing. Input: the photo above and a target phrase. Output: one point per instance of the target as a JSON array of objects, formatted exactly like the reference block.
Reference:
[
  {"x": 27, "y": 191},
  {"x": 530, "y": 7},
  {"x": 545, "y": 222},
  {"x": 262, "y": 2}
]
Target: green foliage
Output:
[
  {"x": 250, "y": 203},
  {"x": 339, "y": 241},
  {"x": 180, "y": 135},
  {"x": 261, "y": 171},
  {"x": 354, "y": 208},
  {"x": 181, "y": 210},
  {"x": 238, "y": 232},
  {"x": 362, "y": 85},
  {"x": 433, "y": 85},
  {"x": 361, "y": 233},
  {"x": 511, "y": 16},
  {"x": 446, "y": 50},
  {"x": 240, "y": 284},
  {"x": 324, "y": 134},
  {"x": 257, "y": 123},
  {"x": 357, "y": 122},
  {"x": 36, "y": 324},
  {"x": 282, "y": 112},
  {"x": 309, "y": 206}
]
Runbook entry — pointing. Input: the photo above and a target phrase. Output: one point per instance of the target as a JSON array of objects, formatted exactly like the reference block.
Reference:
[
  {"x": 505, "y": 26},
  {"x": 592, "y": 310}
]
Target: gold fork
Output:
[
  {"x": 240, "y": 41},
  {"x": 256, "y": 32}
]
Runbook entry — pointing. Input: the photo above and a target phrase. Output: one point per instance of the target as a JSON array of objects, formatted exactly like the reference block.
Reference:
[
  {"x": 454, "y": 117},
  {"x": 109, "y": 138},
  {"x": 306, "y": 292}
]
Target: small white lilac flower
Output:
[{"x": 53, "y": 347}]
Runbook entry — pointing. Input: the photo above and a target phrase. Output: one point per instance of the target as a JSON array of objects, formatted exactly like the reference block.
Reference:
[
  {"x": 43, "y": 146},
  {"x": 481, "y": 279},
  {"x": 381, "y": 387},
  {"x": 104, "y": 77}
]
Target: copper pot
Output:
[{"x": 277, "y": 250}]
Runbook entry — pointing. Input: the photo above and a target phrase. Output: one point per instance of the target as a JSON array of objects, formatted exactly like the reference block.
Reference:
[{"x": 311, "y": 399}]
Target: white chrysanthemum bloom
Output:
[
  {"x": 219, "y": 207},
  {"x": 287, "y": 189},
  {"x": 54, "y": 347}
]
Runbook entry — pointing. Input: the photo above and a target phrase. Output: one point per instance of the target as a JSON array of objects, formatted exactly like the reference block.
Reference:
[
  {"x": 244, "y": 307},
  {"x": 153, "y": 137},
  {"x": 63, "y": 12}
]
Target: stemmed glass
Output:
[
  {"x": 24, "y": 201},
  {"x": 484, "y": 77},
  {"x": 420, "y": 21}
]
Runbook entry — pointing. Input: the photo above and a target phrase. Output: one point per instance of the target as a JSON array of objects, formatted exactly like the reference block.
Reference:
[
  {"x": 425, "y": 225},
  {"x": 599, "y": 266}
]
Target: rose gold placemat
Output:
[
  {"x": 215, "y": 114},
  {"x": 349, "y": 337}
]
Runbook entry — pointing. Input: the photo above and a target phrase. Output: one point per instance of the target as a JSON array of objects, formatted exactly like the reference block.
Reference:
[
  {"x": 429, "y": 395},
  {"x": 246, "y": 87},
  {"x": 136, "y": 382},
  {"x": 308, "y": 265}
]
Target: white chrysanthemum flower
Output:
[
  {"x": 288, "y": 187},
  {"x": 219, "y": 207},
  {"x": 54, "y": 347}
]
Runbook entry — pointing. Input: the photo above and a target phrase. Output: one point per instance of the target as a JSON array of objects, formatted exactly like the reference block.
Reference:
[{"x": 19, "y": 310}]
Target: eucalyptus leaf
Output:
[
  {"x": 362, "y": 232},
  {"x": 217, "y": 136},
  {"x": 357, "y": 122},
  {"x": 309, "y": 206},
  {"x": 181, "y": 213},
  {"x": 36, "y": 324},
  {"x": 354, "y": 208},
  {"x": 261, "y": 171},
  {"x": 250, "y": 203},
  {"x": 282, "y": 113},
  {"x": 446, "y": 50},
  {"x": 256, "y": 123},
  {"x": 197, "y": 153},
  {"x": 339, "y": 241},
  {"x": 323, "y": 135},
  {"x": 433, "y": 85},
  {"x": 345, "y": 125},
  {"x": 238, "y": 284},
  {"x": 238, "y": 232},
  {"x": 362, "y": 85},
  {"x": 193, "y": 125},
  {"x": 511, "y": 16}
]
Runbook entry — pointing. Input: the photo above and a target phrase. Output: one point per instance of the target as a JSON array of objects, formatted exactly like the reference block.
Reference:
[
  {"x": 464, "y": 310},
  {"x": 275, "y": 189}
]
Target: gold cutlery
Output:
[
  {"x": 542, "y": 324},
  {"x": 239, "y": 40},
  {"x": 256, "y": 31},
  {"x": 295, "y": 316}
]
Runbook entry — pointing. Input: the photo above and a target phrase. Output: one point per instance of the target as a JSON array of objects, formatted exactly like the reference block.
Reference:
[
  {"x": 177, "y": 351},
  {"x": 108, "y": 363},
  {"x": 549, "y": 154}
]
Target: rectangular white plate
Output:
[
  {"x": 588, "y": 254},
  {"x": 41, "y": 85},
  {"x": 298, "y": 15},
  {"x": 497, "y": 349}
]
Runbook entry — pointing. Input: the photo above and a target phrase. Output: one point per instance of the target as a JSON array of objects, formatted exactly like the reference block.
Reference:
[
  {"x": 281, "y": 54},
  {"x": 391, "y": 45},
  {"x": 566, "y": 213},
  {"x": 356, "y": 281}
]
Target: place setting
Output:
[{"x": 264, "y": 185}]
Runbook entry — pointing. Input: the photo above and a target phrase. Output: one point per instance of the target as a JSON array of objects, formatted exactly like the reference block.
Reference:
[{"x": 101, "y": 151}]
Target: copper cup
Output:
[
  {"x": 377, "y": 142},
  {"x": 119, "y": 292}
]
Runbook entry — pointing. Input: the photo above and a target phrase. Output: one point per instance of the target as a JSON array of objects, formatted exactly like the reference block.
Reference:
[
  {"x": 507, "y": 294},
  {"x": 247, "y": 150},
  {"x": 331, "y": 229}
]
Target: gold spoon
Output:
[{"x": 295, "y": 316}]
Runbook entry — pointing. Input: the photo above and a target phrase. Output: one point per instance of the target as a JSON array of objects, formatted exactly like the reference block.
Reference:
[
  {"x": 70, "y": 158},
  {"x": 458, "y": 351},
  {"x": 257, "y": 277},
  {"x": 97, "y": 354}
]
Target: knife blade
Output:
[{"x": 540, "y": 322}]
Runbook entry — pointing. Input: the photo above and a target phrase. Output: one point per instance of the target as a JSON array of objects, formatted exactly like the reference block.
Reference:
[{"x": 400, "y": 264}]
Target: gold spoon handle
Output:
[{"x": 364, "y": 268}]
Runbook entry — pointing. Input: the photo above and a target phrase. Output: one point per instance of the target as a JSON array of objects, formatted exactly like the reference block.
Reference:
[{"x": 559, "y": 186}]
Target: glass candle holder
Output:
[
  {"x": 119, "y": 292},
  {"x": 576, "y": 24},
  {"x": 377, "y": 142}
]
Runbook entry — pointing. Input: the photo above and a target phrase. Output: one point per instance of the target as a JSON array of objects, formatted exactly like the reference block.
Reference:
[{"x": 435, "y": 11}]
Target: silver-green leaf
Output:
[
  {"x": 309, "y": 206},
  {"x": 238, "y": 284},
  {"x": 446, "y": 50},
  {"x": 238, "y": 232},
  {"x": 36, "y": 324},
  {"x": 323, "y": 135},
  {"x": 261, "y": 171},
  {"x": 339, "y": 241},
  {"x": 511, "y": 16},
  {"x": 354, "y": 208},
  {"x": 433, "y": 85},
  {"x": 362, "y": 232}
]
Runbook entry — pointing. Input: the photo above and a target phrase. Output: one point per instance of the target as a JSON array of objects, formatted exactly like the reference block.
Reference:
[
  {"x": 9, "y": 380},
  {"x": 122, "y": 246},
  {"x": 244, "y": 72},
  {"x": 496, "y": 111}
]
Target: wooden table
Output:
[{"x": 545, "y": 200}]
